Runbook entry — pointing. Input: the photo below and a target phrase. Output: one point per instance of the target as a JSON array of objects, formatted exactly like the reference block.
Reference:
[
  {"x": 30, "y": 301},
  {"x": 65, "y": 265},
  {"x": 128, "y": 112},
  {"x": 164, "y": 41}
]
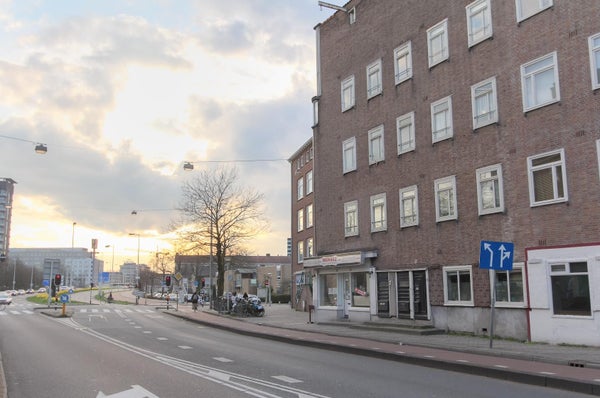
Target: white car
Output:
[{"x": 5, "y": 298}]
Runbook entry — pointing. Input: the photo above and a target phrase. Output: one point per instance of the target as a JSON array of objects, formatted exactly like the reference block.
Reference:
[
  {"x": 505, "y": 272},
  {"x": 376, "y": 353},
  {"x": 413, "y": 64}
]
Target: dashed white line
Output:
[
  {"x": 501, "y": 366},
  {"x": 462, "y": 360},
  {"x": 287, "y": 379},
  {"x": 162, "y": 338},
  {"x": 547, "y": 373},
  {"x": 224, "y": 360},
  {"x": 185, "y": 347},
  {"x": 428, "y": 356}
]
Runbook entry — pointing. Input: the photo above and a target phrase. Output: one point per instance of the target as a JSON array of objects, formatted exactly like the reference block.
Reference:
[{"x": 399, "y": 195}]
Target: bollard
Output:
[{"x": 311, "y": 308}]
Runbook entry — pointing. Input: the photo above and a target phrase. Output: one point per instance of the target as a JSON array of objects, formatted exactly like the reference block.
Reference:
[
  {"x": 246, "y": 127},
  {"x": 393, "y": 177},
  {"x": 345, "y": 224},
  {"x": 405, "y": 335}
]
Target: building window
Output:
[
  {"x": 528, "y": 8},
  {"x": 490, "y": 192},
  {"x": 328, "y": 291},
  {"x": 309, "y": 182},
  {"x": 351, "y": 218},
  {"x": 598, "y": 154},
  {"x": 458, "y": 285},
  {"x": 300, "y": 220},
  {"x": 403, "y": 63},
  {"x": 360, "y": 289},
  {"x": 484, "y": 104},
  {"x": 378, "y": 213},
  {"x": 405, "y": 131},
  {"x": 437, "y": 43},
  {"x": 570, "y": 289},
  {"x": 300, "y": 188},
  {"x": 510, "y": 286},
  {"x": 352, "y": 15},
  {"x": 445, "y": 199},
  {"x": 309, "y": 216},
  {"x": 479, "y": 21},
  {"x": 349, "y": 154},
  {"x": 547, "y": 178},
  {"x": 374, "y": 83},
  {"x": 347, "y": 93},
  {"x": 315, "y": 112},
  {"x": 441, "y": 119},
  {"x": 594, "y": 43},
  {"x": 300, "y": 251},
  {"x": 376, "y": 148},
  {"x": 309, "y": 247},
  {"x": 539, "y": 82},
  {"x": 409, "y": 207}
]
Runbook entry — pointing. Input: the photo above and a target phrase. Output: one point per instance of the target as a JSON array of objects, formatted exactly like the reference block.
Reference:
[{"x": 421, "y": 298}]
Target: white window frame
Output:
[
  {"x": 451, "y": 192},
  {"x": 488, "y": 113},
  {"x": 529, "y": 80},
  {"x": 510, "y": 304},
  {"x": 378, "y": 205},
  {"x": 594, "y": 44},
  {"x": 479, "y": 10},
  {"x": 437, "y": 133},
  {"x": 300, "y": 251},
  {"x": 405, "y": 133},
  {"x": 349, "y": 146},
  {"x": 374, "y": 88},
  {"x": 598, "y": 154},
  {"x": 541, "y": 6},
  {"x": 310, "y": 247},
  {"x": 438, "y": 32},
  {"x": 300, "y": 188},
  {"x": 566, "y": 269},
  {"x": 553, "y": 167},
  {"x": 458, "y": 269},
  {"x": 483, "y": 178},
  {"x": 351, "y": 208},
  {"x": 300, "y": 218},
  {"x": 309, "y": 182},
  {"x": 347, "y": 86},
  {"x": 309, "y": 215},
  {"x": 409, "y": 194},
  {"x": 400, "y": 53},
  {"x": 376, "y": 145},
  {"x": 352, "y": 15}
]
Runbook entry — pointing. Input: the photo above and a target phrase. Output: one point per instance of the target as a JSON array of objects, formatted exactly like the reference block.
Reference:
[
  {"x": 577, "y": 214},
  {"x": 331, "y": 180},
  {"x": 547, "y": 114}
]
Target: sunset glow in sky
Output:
[{"x": 124, "y": 91}]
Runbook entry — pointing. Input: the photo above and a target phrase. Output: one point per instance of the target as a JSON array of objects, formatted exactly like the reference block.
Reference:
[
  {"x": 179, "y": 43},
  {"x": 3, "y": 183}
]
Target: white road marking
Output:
[
  {"x": 462, "y": 360},
  {"x": 147, "y": 331},
  {"x": 224, "y": 360},
  {"x": 501, "y": 366},
  {"x": 162, "y": 338},
  {"x": 185, "y": 347},
  {"x": 287, "y": 379},
  {"x": 547, "y": 373}
]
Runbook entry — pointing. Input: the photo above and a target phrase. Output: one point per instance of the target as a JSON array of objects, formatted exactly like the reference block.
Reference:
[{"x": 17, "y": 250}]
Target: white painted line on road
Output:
[
  {"x": 28, "y": 312},
  {"x": 462, "y": 360},
  {"x": 501, "y": 366},
  {"x": 353, "y": 345},
  {"x": 106, "y": 310},
  {"x": 224, "y": 360},
  {"x": 162, "y": 338},
  {"x": 547, "y": 373},
  {"x": 597, "y": 380},
  {"x": 400, "y": 352},
  {"x": 147, "y": 331},
  {"x": 3, "y": 313},
  {"x": 376, "y": 348},
  {"x": 287, "y": 379},
  {"x": 137, "y": 327},
  {"x": 15, "y": 312},
  {"x": 132, "y": 323},
  {"x": 83, "y": 310},
  {"x": 185, "y": 347},
  {"x": 94, "y": 310},
  {"x": 428, "y": 356}
]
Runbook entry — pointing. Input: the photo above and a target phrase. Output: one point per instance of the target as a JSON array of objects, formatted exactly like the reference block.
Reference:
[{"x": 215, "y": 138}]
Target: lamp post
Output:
[{"x": 138, "y": 247}]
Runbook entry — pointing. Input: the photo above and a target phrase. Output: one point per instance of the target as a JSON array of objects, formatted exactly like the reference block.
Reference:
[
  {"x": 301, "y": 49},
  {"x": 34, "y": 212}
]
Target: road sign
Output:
[
  {"x": 496, "y": 255},
  {"x": 64, "y": 298}
]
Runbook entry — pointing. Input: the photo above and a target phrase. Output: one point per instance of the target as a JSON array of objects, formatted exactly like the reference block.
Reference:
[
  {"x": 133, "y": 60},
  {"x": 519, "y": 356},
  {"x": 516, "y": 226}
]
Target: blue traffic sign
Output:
[
  {"x": 64, "y": 298},
  {"x": 496, "y": 255}
]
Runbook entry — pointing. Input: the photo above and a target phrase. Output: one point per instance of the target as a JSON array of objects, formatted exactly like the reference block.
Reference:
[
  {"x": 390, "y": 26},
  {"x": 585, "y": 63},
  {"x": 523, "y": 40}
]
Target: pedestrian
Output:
[{"x": 195, "y": 301}]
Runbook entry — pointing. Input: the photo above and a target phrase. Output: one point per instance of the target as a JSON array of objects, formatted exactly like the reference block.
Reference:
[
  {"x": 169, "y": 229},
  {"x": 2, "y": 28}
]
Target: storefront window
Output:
[
  {"x": 360, "y": 289},
  {"x": 329, "y": 290},
  {"x": 570, "y": 289}
]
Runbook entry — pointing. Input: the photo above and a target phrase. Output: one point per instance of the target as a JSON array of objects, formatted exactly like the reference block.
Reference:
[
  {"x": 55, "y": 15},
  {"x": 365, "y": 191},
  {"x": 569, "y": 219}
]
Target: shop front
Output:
[{"x": 344, "y": 285}]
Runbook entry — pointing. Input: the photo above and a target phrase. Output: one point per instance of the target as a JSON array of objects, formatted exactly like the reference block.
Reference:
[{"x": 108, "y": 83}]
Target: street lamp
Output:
[{"x": 138, "y": 248}]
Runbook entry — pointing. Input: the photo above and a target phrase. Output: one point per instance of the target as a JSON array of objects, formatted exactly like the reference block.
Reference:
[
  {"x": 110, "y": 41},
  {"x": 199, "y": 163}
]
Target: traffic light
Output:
[
  {"x": 203, "y": 282},
  {"x": 168, "y": 280},
  {"x": 57, "y": 279}
]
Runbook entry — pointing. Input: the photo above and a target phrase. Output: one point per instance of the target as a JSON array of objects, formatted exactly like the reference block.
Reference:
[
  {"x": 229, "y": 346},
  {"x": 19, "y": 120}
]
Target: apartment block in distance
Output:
[
  {"x": 442, "y": 124},
  {"x": 303, "y": 221}
]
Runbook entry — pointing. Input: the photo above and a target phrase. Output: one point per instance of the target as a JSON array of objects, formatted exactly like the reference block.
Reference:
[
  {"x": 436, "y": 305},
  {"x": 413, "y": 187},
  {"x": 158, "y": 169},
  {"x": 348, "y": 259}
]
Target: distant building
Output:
[
  {"x": 303, "y": 222},
  {"x": 7, "y": 186}
]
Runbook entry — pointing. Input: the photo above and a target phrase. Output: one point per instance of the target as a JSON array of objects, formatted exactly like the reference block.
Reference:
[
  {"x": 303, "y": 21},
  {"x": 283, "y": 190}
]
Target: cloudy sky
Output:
[{"x": 122, "y": 92}]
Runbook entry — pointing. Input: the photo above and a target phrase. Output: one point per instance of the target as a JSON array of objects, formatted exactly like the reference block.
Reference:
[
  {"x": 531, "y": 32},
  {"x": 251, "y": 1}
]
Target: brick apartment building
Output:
[
  {"x": 439, "y": 124},
  {"x": 303, "y": 241}
]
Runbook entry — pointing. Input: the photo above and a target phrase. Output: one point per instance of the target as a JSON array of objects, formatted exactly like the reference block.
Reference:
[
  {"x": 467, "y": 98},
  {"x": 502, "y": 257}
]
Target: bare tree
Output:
[{"x": 220, "y": 212}]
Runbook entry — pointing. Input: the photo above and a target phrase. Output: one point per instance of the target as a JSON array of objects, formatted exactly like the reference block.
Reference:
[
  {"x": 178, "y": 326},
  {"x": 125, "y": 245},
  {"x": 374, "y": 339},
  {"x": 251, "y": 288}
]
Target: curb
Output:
[{"x": 496, "y": 373}]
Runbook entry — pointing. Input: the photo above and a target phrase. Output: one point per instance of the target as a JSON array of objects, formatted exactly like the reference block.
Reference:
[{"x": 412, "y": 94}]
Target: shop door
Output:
[
  {"x": 412, "y": 294},
  {"x": 383, "y": 295}
]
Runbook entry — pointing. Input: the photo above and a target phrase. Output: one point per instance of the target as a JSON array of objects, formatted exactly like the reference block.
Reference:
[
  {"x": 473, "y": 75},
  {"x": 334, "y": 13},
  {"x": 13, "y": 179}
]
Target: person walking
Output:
[{"x": 195, "y": 301}]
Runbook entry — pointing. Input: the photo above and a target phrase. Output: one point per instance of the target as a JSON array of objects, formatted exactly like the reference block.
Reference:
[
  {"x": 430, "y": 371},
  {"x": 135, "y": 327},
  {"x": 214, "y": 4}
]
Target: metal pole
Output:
[
  {"x": 14, "y": 274},
  {"x": 210, "y": 269},
  {"x": 493, "y": 272}
]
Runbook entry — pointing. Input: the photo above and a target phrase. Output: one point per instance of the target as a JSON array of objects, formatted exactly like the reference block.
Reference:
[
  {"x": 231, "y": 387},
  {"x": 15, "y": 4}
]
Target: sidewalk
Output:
[{"x": 572, "y": 368}]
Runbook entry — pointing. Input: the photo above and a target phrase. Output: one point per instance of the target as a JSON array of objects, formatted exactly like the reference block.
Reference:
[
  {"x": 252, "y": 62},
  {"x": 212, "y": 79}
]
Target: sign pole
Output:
[{"x": 493, "y": 305}]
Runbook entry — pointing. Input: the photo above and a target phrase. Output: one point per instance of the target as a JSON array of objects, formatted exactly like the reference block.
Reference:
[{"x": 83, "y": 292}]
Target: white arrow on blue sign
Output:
[{"x": 496, "y": 255}]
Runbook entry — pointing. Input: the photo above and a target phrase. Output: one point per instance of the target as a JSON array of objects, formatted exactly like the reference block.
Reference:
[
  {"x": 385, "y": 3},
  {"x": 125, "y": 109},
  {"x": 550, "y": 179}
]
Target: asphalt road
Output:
[{"x": 140, "y": 352}]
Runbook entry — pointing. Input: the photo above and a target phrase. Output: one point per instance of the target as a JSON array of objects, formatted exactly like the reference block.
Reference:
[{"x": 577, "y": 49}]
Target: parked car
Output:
[
  {"x": 42, "y": 290},
  {"x": 5, "y": 298}
]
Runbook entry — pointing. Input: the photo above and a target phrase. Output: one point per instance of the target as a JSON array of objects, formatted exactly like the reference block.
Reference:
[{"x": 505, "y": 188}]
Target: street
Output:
[{"x": 137, "y": 351}]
